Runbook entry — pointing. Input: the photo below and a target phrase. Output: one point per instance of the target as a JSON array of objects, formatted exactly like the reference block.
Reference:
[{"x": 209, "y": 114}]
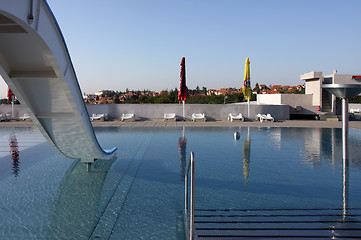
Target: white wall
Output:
[
  {"x": 354, "y": 106},
  {"x": 287, "y": 99},
  {"x": 269, "y": 99},
  {"x": 297, "y": 99},
  {"x": 314, "y": 87},
  {"x": 345, "y": 79},
  {"x": 212, "y": 111},
  {"x": 18, "y": 110}
]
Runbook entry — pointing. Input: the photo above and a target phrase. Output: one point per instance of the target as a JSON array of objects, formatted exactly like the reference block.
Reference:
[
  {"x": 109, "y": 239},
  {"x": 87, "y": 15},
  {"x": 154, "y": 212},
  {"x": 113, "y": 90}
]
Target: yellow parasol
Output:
[{"x": 247, "y": 81}]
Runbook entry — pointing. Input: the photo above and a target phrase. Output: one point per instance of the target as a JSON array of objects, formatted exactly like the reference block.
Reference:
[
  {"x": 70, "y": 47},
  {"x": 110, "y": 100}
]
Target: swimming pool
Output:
[{"x": 140, "y": 194}]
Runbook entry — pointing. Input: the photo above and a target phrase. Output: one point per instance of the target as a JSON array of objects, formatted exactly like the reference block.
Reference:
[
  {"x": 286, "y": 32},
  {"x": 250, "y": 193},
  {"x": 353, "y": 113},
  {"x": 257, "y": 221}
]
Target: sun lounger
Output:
[
  {"x": 237, "y": 116},
  {"x": 353, "y": 116},
  {"x": 24, "y": 117},
  {"x": 101, "y": 116},
  {"x": 128, "y": 116},
  {"x": 263, "y": 117},
  {"x": 168, "y": 116},
  {"x": 6, "y": 117},
  {"x": 196, "y": 116}
]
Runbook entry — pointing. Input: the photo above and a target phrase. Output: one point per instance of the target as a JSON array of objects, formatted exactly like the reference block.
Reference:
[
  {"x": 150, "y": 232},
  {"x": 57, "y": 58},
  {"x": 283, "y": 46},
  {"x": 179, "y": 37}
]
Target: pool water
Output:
[{"x": 140, "y": 193}]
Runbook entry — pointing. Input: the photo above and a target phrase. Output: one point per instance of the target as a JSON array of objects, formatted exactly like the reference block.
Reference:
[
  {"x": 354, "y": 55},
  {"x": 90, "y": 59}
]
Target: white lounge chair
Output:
[
  {"x": 168, "y": 116},
  {"x": 101, "y": 116},
  {"x": 24, "y": 117},
  {"x": 5, "y": 117},
  {"x": 128, "y": 116},
  {"x": 263, "y": 117},
  {"x": 196, "y": 116},
  {"x": 237, "y": 116}
]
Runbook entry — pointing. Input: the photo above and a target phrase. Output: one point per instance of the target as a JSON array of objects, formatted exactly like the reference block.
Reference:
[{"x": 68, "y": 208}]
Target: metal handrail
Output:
[{"x": 190, "y": 232}]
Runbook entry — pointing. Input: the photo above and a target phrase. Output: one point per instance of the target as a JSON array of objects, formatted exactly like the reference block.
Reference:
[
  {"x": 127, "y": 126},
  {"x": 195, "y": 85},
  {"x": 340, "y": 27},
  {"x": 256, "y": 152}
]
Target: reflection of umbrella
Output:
[
  {"x": 182, "y": 144},
  {"x": 246, "y": 157},
  {"x": 247, "y": 83},
  {"x": 182, "y": 94},
  {"x": 14, "y": 150}
]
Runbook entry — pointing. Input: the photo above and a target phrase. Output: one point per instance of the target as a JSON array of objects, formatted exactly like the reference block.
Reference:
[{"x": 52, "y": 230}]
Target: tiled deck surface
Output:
[{"x": 213, "y": 123}]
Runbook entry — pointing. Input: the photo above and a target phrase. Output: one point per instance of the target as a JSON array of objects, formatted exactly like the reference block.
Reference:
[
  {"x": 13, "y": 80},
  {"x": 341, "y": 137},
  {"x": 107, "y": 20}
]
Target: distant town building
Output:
[{"x": 88, "y": 95}]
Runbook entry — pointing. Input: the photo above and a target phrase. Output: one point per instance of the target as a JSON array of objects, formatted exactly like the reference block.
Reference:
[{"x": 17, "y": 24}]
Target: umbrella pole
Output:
[
  {"x": 249, "y": 96},
  {"x": 12, "y": 107},
  {"x": 248, "y": 114},
  {"x": 184, "y": 115},
  {"x": 345, "y": 160},
  {"x": 344, "y": 128},
  {"x": 248, "y": 109}
]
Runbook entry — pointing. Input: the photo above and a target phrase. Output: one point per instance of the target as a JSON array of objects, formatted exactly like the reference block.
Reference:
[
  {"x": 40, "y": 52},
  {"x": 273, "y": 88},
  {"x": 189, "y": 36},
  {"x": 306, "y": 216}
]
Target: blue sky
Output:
[{"x": 139, "y": 44}]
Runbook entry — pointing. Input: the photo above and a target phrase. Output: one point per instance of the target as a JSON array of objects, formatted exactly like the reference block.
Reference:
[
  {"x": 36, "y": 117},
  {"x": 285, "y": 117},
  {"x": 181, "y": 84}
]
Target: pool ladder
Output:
[{"x": 190, "y": 230}]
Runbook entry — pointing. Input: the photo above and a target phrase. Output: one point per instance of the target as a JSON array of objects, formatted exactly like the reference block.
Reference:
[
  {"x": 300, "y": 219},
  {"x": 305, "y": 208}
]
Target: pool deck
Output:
[{"x": 213, "y": 123}]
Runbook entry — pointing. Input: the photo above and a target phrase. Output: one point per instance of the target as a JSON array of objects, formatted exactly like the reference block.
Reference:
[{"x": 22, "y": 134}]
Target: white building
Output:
[
  {"x": 316, "y": 101},
  {"x": 321, "y": 97}
]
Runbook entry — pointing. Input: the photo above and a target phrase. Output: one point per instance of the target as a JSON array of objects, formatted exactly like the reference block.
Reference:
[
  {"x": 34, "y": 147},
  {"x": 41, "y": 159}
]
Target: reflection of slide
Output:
[
  {"x": 35, "y": 63},
  {"x": 76, "y": 206}
]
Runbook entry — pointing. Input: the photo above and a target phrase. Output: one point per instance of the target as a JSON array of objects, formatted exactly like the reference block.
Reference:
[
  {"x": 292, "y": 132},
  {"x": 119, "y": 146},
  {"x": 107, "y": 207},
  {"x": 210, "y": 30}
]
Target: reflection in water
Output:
[
  {"x": 345, "y": 184},
  {"x": 182, "y": 144},
  {"x": 276, "y": 138},
  {"x": 331, "y": 150},
  {"x": 14, "y": 150},
  {"x": 313, "y": 141},
  {"x": 325, "y": 145},
  {"x": 344, "y": 226},
  {"x": 180, "y": 229},
  {"x": 246, "y": 157},
  {"x": 76, "y": 207}
]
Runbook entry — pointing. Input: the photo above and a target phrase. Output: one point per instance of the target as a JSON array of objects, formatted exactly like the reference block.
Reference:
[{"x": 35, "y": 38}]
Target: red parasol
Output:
[
  {"x": 10, "y": 95},
  {"x": 182, "y": 93}
]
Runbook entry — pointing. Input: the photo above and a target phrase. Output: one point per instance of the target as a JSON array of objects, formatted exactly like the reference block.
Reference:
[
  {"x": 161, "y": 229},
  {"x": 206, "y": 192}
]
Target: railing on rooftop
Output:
[{"x": 189, "y": 222}]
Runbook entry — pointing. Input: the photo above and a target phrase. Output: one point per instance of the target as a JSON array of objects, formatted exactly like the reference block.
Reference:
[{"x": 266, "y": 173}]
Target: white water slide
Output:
[{"x": 35, "y": 63}]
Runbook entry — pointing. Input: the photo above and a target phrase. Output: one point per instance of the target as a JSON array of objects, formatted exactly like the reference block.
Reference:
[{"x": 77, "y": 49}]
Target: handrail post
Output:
[
  {"x": 191, "y": 227},
  {"x": 186, "y": 192},
  {"x": 190, "y": 166}
]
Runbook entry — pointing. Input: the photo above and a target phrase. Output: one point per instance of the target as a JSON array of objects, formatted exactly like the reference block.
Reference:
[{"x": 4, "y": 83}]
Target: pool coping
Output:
[{"x": 213, "y": 123}]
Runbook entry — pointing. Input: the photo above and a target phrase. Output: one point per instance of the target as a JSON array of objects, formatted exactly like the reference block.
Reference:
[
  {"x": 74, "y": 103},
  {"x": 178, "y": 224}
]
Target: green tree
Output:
[
  {"x": 204, "y": 90},
  {"x": 355, "y": 99},
  {"x": 256, "y": 88},
  {"x": 280, "y": 90},
  {"x": 198, "y": 89}
]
